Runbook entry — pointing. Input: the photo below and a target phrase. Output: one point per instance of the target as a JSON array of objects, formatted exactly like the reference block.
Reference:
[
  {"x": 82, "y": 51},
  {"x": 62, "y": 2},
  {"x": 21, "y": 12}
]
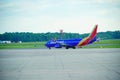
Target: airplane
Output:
[{"x": 72, "y": 43}]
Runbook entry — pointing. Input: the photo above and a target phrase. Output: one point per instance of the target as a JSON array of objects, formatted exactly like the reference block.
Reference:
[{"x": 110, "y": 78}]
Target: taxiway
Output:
[{"x": 60, "y": 64}]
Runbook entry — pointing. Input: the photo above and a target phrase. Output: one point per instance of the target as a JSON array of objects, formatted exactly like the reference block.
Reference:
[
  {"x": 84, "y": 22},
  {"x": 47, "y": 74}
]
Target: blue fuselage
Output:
[{"x": 66, "y": 42}]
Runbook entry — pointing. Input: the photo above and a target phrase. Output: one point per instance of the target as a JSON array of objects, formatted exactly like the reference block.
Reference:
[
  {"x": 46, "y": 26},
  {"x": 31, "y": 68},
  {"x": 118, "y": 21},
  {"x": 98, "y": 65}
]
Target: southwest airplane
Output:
[{"x": 72, "y": 43}]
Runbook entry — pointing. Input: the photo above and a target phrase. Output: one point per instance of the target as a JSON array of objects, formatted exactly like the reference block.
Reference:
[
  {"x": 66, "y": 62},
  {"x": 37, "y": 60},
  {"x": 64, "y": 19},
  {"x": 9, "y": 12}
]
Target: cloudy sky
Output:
[{"x": 77, "y": 16}]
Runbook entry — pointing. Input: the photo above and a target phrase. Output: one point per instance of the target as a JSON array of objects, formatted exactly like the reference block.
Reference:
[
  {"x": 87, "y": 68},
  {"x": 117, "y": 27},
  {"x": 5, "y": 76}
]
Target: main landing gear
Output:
[{"x": 67, "y": 47}]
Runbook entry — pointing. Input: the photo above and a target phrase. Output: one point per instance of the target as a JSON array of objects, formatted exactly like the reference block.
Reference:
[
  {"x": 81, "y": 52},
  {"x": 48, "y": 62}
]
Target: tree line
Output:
[{"x": 36, "y": 37}]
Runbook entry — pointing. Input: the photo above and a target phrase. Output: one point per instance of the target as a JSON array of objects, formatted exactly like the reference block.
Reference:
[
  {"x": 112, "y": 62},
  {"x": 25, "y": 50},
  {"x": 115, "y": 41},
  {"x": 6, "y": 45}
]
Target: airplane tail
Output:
[{"x": 87, "y": 39}]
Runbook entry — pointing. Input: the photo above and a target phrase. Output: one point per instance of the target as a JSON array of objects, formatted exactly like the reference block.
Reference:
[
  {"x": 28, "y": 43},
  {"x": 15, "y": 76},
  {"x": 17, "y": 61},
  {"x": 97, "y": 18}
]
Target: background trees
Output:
[{"x": 36, "y": 37}]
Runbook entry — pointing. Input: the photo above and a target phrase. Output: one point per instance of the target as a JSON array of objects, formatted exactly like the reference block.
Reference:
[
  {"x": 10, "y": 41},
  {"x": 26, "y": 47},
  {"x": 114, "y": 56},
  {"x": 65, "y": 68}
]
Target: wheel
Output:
[
  {"x": 67, "y": 47},
  {"x": 74, "y": 47}
]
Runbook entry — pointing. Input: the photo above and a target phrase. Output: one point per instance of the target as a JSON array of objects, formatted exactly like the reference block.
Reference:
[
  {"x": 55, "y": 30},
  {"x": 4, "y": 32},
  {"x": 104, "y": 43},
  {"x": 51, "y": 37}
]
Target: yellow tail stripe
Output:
[{"x": 79, "y": 44}]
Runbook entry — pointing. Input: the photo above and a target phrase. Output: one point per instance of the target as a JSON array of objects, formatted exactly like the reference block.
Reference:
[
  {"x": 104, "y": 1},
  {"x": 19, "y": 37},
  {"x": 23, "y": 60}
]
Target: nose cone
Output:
[{"x": 47, "y": 44}]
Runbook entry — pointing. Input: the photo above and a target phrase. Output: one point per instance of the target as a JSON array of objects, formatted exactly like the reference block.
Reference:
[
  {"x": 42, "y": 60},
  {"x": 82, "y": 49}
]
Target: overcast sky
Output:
[{"x": 78, "y": 16}]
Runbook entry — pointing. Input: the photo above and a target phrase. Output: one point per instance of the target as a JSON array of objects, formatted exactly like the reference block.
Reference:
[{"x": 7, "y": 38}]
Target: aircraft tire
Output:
[
  {"x": 67, "y": 47},
  {"x": 74, "y": 47}
]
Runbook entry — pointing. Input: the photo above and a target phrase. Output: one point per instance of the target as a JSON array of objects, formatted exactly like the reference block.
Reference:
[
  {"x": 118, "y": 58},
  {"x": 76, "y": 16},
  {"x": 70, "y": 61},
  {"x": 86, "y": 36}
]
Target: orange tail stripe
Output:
[{"x": 83, "y": 42}]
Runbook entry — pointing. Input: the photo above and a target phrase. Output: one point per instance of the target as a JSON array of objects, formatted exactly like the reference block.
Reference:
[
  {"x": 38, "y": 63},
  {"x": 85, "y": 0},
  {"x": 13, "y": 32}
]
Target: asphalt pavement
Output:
[{"x": 60, "y": 64}]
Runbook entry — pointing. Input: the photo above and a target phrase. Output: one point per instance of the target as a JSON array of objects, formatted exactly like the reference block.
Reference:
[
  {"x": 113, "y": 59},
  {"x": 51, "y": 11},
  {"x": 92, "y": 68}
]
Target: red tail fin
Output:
[
  {"x": 93, "y": 33},
  {"x": 87, "y": 39}
]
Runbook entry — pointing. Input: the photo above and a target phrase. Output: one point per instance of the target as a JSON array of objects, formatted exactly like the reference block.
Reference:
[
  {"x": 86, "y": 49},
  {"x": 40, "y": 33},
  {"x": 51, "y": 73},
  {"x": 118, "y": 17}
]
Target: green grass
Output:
[
  {"x": 105, "y": 44},
  {"x": 100, "y": 44},
  {"x": 22, "y": 45},
  {"x": 115, "y": 41}
]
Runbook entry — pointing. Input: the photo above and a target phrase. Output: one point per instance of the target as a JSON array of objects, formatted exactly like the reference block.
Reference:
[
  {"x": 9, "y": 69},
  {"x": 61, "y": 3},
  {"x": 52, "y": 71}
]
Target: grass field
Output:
[
  {"x": 23, "y": 45},
  {"x": 100, "y": 44},
  {"x": 105, "y": 44}
]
